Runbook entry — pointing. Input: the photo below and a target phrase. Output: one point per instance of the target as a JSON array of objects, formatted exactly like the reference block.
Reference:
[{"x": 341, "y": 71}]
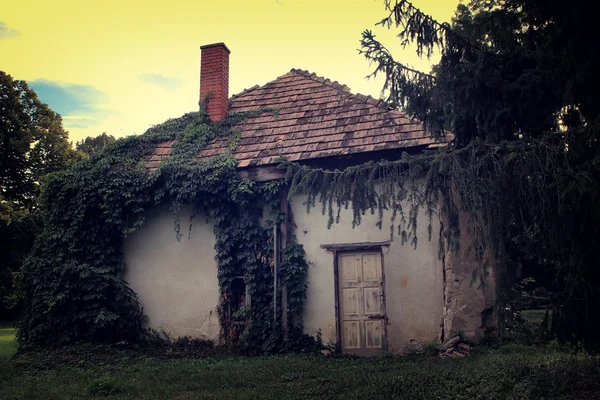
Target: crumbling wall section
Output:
[{"x": 469, "y": 290}]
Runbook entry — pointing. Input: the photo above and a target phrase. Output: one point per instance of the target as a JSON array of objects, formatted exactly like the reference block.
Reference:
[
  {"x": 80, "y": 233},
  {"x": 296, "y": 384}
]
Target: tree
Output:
[
  {"x": 93, "y": 145},
  {"x": 517, "y": 84},
  {"x": 33, "y": 144},
  {"x": 507, "y": 68}
]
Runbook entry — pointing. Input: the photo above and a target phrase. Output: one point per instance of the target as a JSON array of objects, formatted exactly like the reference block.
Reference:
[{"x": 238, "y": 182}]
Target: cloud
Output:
[
  {"x": 81, "y": 106},
  {"x": 160, "y": 80},
  {"x": 8, "y": 33}
]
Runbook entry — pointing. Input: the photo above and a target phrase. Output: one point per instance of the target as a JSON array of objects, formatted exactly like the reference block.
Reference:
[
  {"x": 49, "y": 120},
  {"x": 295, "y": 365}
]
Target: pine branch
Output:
[
  {"x": 374, "y": 51},
  {"x": 416, "y": 26},
  {"x": 420, "y": 28},
  {"x": 405, "y": 87}
]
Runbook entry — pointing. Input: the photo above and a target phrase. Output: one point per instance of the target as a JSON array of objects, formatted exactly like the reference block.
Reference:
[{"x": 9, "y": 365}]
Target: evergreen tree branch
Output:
[
  {"x": 404, "y": 87},
  {"x": 417, "y": 27},
  {"x": 420, "y": 28}
]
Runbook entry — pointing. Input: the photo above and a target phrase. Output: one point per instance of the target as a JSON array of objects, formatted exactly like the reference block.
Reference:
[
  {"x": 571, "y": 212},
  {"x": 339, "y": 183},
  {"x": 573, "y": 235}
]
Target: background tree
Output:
[
  {"x": 33, "y": 144},
  {"x": 93, "y": 145},
  {"x": 517, "y": 84}
]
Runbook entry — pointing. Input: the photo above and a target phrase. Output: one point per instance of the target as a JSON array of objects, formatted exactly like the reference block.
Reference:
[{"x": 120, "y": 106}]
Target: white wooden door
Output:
[{"x": 361, "y": 303}]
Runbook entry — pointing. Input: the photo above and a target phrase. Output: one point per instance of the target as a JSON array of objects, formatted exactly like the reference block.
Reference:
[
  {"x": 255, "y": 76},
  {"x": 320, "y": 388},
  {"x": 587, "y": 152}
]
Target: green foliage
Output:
[
  {"x": 33, "y": 144},
  {"x": 517, "y": 86},
  {"x": 293, "y": 274},
  {"x": 93, "y": 145},
  {"x": 72, "y": 280},
  {"x": 507, "y": 68}
]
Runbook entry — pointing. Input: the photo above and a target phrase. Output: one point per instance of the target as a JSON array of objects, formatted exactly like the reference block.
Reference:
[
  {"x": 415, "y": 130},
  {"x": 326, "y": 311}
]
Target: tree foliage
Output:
[
  {"x": 517, "y": 85},
  {"x": 508, "y": 68},
  {"x": 93, "y": 145},
  {"x": 33, "y": 144}
]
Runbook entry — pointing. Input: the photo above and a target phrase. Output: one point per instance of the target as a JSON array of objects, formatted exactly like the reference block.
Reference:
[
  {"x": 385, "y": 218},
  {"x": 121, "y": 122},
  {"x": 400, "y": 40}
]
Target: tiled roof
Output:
[{"x": 316, "y": 118}]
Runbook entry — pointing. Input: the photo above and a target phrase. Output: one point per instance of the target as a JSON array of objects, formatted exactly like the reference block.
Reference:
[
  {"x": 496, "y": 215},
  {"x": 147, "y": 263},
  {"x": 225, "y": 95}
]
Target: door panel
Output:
[
  {"x": 352, "y": 334},
  {"x": 372, "y": 300},
  {"x": 373, "y": 334},
  {"x": 371, "y": 267},
  {"x": 361, "y": 303},
  {"x": 349, "y": 268},
  {"x": 350, "y": 301}
]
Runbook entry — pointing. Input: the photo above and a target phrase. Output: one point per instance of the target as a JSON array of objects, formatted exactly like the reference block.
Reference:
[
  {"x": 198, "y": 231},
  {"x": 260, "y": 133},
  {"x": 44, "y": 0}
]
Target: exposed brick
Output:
[{"x": 214, "y": 77}]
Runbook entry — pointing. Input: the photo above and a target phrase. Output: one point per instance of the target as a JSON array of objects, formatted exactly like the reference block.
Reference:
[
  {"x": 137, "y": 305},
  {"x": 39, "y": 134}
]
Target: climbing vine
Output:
[{"x": 71, "y": 282}]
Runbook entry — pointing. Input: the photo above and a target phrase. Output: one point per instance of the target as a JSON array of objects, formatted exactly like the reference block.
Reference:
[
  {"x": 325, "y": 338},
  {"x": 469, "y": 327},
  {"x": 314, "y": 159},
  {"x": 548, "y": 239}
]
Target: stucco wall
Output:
[
  {"x": 176, "y": 281},
  {"x": 414, "y": 277}
]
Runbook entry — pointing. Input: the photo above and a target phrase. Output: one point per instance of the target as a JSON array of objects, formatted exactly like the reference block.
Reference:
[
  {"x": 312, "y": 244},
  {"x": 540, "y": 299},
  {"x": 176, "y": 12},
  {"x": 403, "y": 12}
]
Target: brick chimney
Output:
[{"x": 214, "y": 79}]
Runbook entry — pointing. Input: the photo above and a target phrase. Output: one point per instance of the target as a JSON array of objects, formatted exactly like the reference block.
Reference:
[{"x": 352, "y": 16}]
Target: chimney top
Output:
[{"x": 207, "y": 46}]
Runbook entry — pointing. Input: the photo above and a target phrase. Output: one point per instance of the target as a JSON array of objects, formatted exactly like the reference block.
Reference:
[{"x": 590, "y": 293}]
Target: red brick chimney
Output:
[{"x": 214, "y": 79}]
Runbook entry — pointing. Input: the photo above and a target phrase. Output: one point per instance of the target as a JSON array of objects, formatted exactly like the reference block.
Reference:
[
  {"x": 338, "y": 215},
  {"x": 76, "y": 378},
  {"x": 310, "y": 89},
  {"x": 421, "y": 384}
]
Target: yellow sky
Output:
[{"x": 131, "y": 64}]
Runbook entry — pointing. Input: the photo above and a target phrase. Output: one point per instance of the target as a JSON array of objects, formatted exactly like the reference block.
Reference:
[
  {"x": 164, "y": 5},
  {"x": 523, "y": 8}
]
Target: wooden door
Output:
[{"x": 361, "y": 302}]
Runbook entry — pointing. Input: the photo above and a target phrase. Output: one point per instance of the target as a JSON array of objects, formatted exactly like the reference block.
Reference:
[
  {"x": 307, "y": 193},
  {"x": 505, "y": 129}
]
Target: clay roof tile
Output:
[{"x": 317, "y": 118}]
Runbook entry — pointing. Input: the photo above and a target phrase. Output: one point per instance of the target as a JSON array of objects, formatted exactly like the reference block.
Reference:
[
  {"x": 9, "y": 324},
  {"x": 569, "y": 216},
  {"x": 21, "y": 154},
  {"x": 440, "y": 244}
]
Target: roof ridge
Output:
[
  {"x": 323, "y": 80},
  {"x": 257, "y": 86},
  {"x": 328, "y": 82},
  {"x": 336, "y": 85},
  {"x": 243, "y": 92}
]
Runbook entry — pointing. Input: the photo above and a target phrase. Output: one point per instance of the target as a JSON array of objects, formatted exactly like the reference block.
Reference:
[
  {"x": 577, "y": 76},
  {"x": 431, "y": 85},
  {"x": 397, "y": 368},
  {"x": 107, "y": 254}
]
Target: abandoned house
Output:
[{"x": 365, "y": 292}]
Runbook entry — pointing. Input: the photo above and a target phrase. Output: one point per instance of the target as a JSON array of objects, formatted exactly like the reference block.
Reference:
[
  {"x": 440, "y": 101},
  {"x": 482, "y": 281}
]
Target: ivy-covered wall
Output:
[{"x": 72, "y": 282}]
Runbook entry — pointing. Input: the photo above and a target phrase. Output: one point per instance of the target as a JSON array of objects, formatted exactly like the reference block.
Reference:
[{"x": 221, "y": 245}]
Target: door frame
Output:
[{"x": 336, "y": 249}]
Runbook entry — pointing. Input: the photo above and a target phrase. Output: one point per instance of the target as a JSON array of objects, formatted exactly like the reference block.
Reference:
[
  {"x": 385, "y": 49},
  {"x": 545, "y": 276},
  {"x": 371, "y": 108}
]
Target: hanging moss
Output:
[
  {"x": 531, "y": 199},
  {"x": 402, "y": 186}
]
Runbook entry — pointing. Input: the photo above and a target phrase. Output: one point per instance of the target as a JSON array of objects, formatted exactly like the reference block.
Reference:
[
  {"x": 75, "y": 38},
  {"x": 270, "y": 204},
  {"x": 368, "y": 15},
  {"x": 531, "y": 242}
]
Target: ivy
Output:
[{"x": 71, "y": 282}]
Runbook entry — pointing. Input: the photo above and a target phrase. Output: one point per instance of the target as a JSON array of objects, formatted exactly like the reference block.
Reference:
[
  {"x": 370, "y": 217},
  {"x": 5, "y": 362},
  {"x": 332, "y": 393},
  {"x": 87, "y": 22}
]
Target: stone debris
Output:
[
  {"x": 453, "y": 348},
  {"x": 450, "y": 343}
]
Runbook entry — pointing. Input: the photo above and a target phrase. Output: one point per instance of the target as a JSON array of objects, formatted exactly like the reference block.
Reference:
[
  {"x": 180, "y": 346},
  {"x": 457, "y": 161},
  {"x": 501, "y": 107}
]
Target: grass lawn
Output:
[
  {"x": 511, "y": 372},
  {"x": 7, "y": 349}
]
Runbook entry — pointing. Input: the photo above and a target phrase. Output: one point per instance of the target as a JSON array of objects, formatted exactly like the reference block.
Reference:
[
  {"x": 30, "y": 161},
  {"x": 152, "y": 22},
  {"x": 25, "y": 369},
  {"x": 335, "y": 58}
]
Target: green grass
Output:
[
  {"x": 511, "y": 372},
  {"x": 8, "y": 347}
]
